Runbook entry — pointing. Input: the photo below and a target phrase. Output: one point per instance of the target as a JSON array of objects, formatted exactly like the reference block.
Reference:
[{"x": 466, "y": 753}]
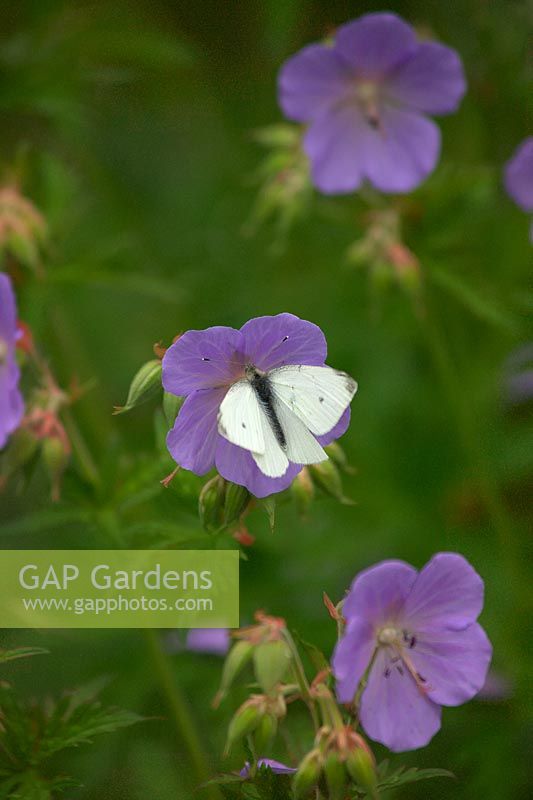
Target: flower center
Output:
[
  {"x": 367, "y": 94},
  {"x": 4, "y": 350},
  {"x": 398, "y": 642}
]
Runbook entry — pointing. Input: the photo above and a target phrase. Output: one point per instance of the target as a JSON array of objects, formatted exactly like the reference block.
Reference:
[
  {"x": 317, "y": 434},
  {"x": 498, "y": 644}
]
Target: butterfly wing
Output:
[
  {"x": 240, "y": 418},
  {"x": 301, "y": 446},
  {"x": 318, "y": 396},
  {"x": 273, "y": 462}
]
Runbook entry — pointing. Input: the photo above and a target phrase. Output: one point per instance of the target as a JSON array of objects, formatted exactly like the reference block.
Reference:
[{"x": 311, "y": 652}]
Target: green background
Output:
[{"x": 132, "y": 122}]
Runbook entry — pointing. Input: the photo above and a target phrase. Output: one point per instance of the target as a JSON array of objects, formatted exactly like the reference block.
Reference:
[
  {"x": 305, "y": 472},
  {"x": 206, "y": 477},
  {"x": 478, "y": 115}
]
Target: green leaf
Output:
[
  {"x": 405, "y": 775},
  {"x": 21, "y": 652},
  {"x": 484, "y": 308},
  {"x": 314, "y": 654}
]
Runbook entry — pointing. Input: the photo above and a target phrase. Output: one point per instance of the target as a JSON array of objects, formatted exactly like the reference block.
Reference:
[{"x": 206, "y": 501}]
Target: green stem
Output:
[
  {"x": 471, "y": 437},
  {"x": 179, "y": 709},
  {"x": 301, "y": 679}
]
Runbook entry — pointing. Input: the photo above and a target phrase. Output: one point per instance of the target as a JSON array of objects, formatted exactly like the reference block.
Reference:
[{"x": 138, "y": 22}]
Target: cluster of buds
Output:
[
  {"x": 23, "y": 230},
  {"x": 340, "y": 756},
  {"x": 266, "y": 646},
  {"x": 325, "y": 476},
  {"x": 382, "y": 250},
  {"x": 223, "y": 504},
  {"x": 285, "y": 186}
]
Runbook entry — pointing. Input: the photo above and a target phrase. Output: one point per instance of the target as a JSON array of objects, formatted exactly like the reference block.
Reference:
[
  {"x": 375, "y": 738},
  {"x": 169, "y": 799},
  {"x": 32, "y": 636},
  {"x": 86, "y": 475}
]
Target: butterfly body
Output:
[{"x": 277, "y": 415}]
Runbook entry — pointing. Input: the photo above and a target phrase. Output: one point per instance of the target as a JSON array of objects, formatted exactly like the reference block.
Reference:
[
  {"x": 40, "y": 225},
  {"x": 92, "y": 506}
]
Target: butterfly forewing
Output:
[
  {"x": 318, "y": 396},
  {"x": 240, "y": 418},
  {"x": 273, "y": 462}
]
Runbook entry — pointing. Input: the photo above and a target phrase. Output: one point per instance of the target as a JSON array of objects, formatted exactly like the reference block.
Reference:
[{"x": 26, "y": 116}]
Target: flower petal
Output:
[
  {"x": 375, "y": 43},
  {"x": 8, "y": 310},
  {"x": 378, "y": 593},
  {"x": 271, "y": 342},
  {"x": 519, "y": 176},
  {"x": 401, "y": 154},
  {"x": 352, "y": 656},
  {"x": 237, "y": 465},
  {"x": 432, "y": 80},
  {"x": 193, "y": 439},
  {"x": 202, "y": 360},
  {"x": 215, "y": 641},
  {"x": 448, "y": 592},
  {"x": 453, "y": 663},
  {"x": 312, "y": 80},
  {"x": 393, "y": 709},
  {"x": 333, "y": 145}
]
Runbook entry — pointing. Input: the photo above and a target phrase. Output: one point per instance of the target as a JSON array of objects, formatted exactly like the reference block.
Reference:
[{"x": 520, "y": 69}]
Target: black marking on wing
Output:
[{"x": 262, "y": 388}]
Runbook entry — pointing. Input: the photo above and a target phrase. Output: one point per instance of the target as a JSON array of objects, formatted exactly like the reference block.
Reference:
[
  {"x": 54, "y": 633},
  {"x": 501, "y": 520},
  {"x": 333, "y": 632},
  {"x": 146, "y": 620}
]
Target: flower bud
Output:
[
  {"x": 55, "y": 456},
  {"x": 326, "y": 475},
  {"x": 236, "y": 500},
  {"x": 335, "y": 774},
  {"x": 239, "y": 655},
  {"x": 338, "y": 456},
  {"x": 303, "y": 491},
  {"x": 171, "y": 407},
  {"x": 245, "y": 721},
  {"x": 265, "y": 733},
  {"x": 22, "y": 447},
  {"x": 271, "y": 661},
  {"x": 145, "y": 384},
  {"x": 362, "y": 768},
  {"x": 307, "y": 774},
  {"x": 211, "y": 503}
]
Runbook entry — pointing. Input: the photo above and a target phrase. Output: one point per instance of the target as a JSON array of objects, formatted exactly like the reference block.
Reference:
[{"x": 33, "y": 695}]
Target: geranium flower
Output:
[
  {"x": 365, "y": 98},
  {"x": 11, "y": 403},
  {"x": 203, "y": 365},
  {"x": 518, "y": 178},
  {"x": 417, "y": 632},
  {"x": 276, "y": 766},
  {"x": 215, "y": 641}
]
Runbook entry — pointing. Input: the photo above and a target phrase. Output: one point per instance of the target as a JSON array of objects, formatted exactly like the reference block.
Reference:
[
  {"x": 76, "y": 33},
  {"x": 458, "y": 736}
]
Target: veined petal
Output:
[
  {"x": 193, "y": 439},
  {"x": 333, "y": 145},
  {"x": 203, "y": 359},
  {"x": 400, "y": 154},
  {"x": 393, "y": 709},
  {"x": 271, "y": 342},
  {"x": 311, "y": 81},
  {"x": 8, "y": 310},
  {"x": 237, "y": 465},
  {"x": 453, "y": 663},
  {"x": 448, "y": 593},
  {"x": 375, "y": 43},
  {"x": 378, "y": 594},
  {"x": 432, "y": 80},
  {"x": 352, "y": 656}
]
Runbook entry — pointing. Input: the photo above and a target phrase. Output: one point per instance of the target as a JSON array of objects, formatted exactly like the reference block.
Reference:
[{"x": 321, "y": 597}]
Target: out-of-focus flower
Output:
[
  {"x": 497, "y": 687},
  {"x": 365, "y": 97},
  {"x": 204, "y": 365},
  {"x": 11, "y": 402},
  {"x": 518, "y": 383},
  {"x": 276, "y": 766},
  {"x": 215, "y": 641},
  {"x": 416, "y": 634},
  {"x": 518, "y": 178}
]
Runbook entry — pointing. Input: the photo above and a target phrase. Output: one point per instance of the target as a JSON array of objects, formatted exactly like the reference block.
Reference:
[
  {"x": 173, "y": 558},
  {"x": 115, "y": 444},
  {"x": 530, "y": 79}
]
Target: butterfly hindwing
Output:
[
  {"x": 318, "y": 396},
  {"x": 273, "y": 462},
  {"x": 301, "y": 446}
]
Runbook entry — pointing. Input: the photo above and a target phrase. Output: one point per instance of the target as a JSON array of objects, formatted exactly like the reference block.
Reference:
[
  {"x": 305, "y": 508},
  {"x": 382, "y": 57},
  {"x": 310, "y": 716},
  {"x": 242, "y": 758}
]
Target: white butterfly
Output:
[{"x": 276, "y": 415}]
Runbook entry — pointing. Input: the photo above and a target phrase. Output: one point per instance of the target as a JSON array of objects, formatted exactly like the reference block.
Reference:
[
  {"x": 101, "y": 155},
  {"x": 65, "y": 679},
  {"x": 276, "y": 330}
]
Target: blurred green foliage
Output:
[{"x": 130, "y": 126}]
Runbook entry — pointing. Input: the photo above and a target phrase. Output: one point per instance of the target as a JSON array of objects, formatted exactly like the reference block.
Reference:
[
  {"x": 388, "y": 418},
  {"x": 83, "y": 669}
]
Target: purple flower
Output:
[
  {"x": 518, "y": 384},
  {"x": 203, "y": 365},
  {"x": 518, "y": 177},
  {"x": 365, "y": 98},
  {"x": 417, "y": 632},
  {"x": 276, "y": 766},
  {"x": 215, "y": 641},
  {"x": 11, "y": 403}
]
